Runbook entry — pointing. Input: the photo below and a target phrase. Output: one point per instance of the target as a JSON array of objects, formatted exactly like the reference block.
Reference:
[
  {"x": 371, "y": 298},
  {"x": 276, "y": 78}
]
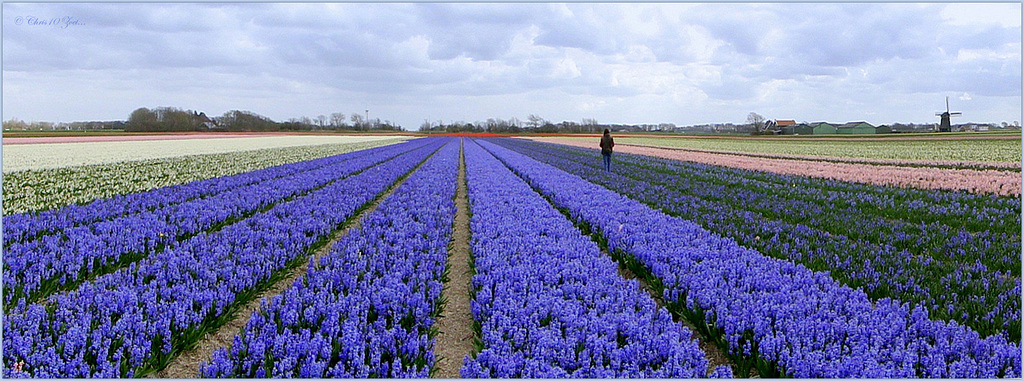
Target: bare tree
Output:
[
  {"x": 337, "y": 119},
  {"x": 535, "y": 121},
  {"x": 757, "y": 121},
  {"x": 589, "y": 124},
  {"x": 357, "y": 120},
  {"x": 321, "y": 120},
  {"x": 18, "y": 124}
]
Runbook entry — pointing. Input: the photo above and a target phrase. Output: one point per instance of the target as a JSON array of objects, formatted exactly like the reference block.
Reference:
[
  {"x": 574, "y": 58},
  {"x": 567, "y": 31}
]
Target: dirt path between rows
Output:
[
  {"x": 187, "y": 364},
  {"x": 455, "y": 333}
]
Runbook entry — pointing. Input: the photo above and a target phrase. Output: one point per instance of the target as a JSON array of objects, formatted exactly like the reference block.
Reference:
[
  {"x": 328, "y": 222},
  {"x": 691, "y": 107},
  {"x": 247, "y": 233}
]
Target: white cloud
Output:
[
  {"x": 1004, "y": 53},
  {"x": 618, "y": 62},
  {"x": 970, "y": 14}
]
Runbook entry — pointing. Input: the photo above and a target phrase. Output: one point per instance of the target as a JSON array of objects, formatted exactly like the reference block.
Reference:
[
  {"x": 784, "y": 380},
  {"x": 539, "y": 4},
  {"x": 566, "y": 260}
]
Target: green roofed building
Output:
[
  {"x": 860, "y": 128},
  {"x": 816, "y": 128},
  {"x": 821, "y": 128}
]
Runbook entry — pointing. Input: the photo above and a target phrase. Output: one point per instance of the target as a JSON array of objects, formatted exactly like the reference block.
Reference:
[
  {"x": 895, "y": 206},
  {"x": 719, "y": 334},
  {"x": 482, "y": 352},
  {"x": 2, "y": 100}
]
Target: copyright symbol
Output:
[{"x": 18, "y": 20}]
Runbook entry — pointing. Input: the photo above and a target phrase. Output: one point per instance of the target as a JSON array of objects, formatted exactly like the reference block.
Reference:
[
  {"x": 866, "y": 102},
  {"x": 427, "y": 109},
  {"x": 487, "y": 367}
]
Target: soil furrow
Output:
[
  {"x": 186, "y": 365},
  {"x": 455, "y": 333}
]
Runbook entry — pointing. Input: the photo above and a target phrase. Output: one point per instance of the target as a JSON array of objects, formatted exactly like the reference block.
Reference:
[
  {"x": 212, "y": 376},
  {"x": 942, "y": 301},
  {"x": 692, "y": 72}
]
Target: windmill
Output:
[{"x": 944, "y": 118}]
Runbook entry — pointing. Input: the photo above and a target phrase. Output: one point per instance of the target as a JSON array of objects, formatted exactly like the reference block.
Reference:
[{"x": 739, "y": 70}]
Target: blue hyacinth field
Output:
[{"x": 342, "y": 264}]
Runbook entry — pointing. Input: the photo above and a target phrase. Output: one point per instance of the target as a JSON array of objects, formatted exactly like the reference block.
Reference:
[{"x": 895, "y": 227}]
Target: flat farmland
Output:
[
  {"x": 344, "y": 259},
  {"x": 40, "y": 176},
  {"x": 973, "y": 163},
  {"x": 981, "y": 149},
  {"x": 58, "y": 152}
]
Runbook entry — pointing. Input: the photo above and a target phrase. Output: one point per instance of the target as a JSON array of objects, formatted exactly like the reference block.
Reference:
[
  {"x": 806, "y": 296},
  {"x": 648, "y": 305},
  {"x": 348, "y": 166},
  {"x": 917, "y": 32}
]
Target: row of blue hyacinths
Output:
[
  {"x": 956, "y": 253},
  {"x": 22, "y": 227},
  {"x": 109, "y": 237},
  {"x": 769, "y": 314},
  {"x": 549, "y": 304},
  {"x": 366, "y": 309},
  {"x": 134, "y": 320}
]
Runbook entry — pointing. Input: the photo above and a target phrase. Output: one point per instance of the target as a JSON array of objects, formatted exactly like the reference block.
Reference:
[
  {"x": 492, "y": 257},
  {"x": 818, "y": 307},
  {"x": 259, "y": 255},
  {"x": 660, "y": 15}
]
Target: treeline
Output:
[
  {"x": 175, "y": 119},
  {"x": 20, "y": 125},
  {"x": 513, "y": 125},
  {"x": 166, "y": 119}
]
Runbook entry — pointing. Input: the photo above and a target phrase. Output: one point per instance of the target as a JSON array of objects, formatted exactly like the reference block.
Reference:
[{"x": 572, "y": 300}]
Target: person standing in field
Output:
[{"x": 606, "y": 149}]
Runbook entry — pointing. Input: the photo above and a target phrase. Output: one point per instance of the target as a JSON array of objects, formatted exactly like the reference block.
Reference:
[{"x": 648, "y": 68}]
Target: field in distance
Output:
[{"x": 990, "y": 147}]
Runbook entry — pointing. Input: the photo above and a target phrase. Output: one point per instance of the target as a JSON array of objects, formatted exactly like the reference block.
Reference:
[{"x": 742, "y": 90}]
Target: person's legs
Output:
[{"x": 607, "y": 161}]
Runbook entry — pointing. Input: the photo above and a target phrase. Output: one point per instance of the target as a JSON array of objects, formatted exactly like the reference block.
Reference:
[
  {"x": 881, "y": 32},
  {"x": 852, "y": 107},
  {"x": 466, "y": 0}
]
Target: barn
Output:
[
  {"x": 854, "y": 128},
  {"x": 816, "y": 128},
  {"x": 820, "y": 128}
]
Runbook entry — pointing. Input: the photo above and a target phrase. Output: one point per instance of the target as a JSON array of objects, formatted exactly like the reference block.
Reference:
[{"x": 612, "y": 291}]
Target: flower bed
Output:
[
  {"x": 953, "y": 263},
  {"x": 26, "y": 226},
  {"x": 996, "y": 151},
  {"x": 771, "y": 314},
  {"x": 366, "y": 309},
  {"x": 133, "y": 321},
  {"x": 37, "y": 268},
  {"x": 998, "y": 182},
  {"x": 549, "y": 304},
  {"x": 45, "y": 189}
]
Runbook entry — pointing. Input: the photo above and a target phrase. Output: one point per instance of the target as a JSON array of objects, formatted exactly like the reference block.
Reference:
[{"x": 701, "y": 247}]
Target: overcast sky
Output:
[{"x": 618, "y": 63}]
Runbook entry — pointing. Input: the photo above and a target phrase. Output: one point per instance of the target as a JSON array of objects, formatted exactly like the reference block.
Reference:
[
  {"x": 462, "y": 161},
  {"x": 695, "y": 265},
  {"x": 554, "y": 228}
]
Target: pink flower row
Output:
[
  {"x": 970, "y": 180},
  {"x": 858, "y": 160}
]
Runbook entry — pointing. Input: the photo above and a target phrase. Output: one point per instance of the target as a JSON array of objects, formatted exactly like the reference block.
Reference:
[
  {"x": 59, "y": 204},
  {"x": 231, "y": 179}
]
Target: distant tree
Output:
[
  {"x": 236, "y": 120},
  {"x": 389, "y": 126},
  {"x": 497, "y": 125},
  {"x": 490, "y": 125},
  {"x": 548, "y": 128},
  {"x": 358, "y": 121},
  {"x": 321, "y": 120},
  {"x": 535, "y": 121},
  {"x": 17, "y": 124},
  {"x": 337, "y": 120},
  {"x": 142, "y": 119},
  {"x": 164, "y": 119},
  {"x": 756, "y": 121},
  {"x": 298, "y": 124}
]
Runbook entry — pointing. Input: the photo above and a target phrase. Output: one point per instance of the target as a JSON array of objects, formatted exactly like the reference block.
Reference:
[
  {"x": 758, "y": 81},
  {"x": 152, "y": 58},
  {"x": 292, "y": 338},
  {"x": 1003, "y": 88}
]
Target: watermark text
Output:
[{"x": 50, "y": 22}]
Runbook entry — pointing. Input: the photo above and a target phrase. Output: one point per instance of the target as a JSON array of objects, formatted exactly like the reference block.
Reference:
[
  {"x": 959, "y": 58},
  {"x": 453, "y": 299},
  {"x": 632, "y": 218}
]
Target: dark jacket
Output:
[{"x": 606, "y": 144}]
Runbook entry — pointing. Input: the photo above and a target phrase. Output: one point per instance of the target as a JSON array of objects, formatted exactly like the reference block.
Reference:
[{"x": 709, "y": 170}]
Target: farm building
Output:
[
  {"x": 861, "y": 128},
  {"x": 781, "y": 126},
  {"x": 974, "y": 127},
  {"x": 816, "y": 128},
  {"x": 819, "y": 128}
]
